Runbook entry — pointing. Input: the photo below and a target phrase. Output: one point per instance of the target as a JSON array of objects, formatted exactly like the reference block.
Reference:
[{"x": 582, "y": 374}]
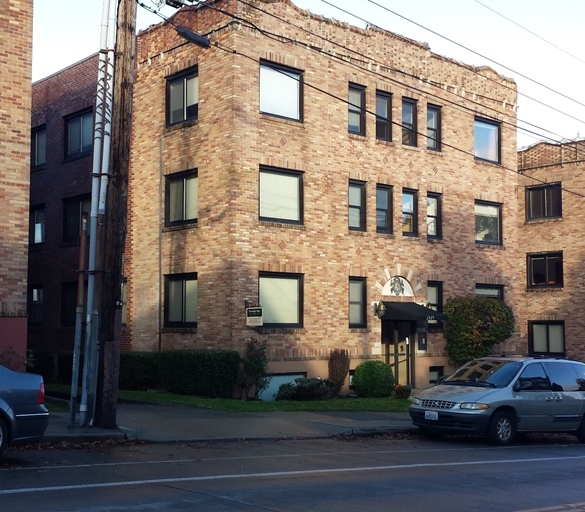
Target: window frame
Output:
[
  {"x": 183, "y": 177},
  {"x": 182, "y": 279},
  {"x": 360, "y": 208},
  {"x": 438, "y": 306},
  {"x": 438, "y": 217},
  {"x": 410, "y": 214},
  {"x": 409, "y": 129},
  {"x": 183, "y": 77},
  {"x": 384, "y": 121},
  {"x": 358, "y": 110},
  {"x": 33, "y": 225},
  {"x": 498, "y": 207},
  {"x": 84, "y": 203},
  {"x": 262, "y": 296},
  {"x": 530, "y": 281},
  {"x": 36, "y": 148},
  {"x": 497, "y": 288},
  {"x": 359, "y": 301},
  {"x": 434, "y": 133},
  {"x": 84, "y": 116},
  {"x": 284, "y": 173},
  {"x": 548, "y": 202},
  {"x": 35, "y": 307},
  {"x": 286, "y": 71},
  {"x": 478, "y": 123},
  {"x": 548, "y": 325},
  {"x": 388, "y": 211}
]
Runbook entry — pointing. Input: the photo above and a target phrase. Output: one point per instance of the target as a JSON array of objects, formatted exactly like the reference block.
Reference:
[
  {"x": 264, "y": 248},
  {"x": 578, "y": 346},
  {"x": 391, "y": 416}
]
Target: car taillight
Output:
[{"x": 41, "y": 395}]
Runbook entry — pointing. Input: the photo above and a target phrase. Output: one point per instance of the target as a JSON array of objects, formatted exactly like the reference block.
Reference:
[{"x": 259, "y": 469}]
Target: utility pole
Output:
[{"x": 115, "y": 219}]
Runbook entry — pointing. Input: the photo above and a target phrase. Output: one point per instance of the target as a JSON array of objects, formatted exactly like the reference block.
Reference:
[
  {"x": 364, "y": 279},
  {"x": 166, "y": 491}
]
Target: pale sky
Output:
[{"x": 538, "y": 43}]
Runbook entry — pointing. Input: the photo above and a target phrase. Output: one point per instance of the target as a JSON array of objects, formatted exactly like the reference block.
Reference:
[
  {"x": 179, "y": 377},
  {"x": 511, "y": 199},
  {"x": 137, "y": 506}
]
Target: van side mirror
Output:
[{"x": 523, "y": 385}]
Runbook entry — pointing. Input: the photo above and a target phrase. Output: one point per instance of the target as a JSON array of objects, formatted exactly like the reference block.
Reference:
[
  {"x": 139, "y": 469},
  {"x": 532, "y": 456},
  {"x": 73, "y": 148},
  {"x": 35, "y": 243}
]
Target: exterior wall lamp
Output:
[{"x": 379, "y": 309}]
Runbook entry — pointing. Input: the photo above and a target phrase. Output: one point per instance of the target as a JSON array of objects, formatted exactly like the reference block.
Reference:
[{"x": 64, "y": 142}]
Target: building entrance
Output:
[{"x": 397, "y": 340}]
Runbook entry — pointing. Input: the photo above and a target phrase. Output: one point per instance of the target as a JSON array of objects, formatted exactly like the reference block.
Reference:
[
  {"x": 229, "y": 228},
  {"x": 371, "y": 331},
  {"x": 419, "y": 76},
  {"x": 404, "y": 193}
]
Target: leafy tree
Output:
[
  {"x": 474, "y": 325},
  {"x": 254, "y": 375}
]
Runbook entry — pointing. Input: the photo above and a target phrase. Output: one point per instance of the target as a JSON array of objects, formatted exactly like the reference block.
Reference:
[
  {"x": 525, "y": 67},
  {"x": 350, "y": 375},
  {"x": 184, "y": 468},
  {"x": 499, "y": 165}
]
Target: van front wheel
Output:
[{"x": 502, "y": 428}]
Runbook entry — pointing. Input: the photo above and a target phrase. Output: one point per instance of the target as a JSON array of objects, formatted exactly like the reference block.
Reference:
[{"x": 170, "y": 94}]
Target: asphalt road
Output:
[{"x": 397, "y": 473}]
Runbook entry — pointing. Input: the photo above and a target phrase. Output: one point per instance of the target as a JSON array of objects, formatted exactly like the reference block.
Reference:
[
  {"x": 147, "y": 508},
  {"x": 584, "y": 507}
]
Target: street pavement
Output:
[{"x": 169, "y": 423}]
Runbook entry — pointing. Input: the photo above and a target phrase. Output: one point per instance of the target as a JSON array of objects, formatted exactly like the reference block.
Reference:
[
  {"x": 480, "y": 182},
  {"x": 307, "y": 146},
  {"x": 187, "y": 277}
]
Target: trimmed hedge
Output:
[
  {"x": 307, "y": 389},
  {"x": 373, "y": 379}
]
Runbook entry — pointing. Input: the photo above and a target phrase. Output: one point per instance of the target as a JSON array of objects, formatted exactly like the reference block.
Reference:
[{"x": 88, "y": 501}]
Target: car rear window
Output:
[{"x": 487, "y": 372}]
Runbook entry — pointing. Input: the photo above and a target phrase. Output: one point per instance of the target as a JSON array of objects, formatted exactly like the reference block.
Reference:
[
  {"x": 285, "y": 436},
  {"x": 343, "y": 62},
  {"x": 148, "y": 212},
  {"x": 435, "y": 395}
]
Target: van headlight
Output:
[
  {"x": 474, "y": 406},
  {"x": 416, "y": 401}
]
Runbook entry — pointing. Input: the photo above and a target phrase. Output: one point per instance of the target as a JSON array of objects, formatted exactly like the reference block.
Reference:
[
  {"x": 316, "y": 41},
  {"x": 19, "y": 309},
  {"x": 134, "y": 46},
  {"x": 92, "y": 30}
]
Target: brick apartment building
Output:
[
  {"x": 16, "y": 19},
  {"x": 322, "y": 171},
  {"x": 551, "y": 186},
  {"x": 60, "y": 173}
]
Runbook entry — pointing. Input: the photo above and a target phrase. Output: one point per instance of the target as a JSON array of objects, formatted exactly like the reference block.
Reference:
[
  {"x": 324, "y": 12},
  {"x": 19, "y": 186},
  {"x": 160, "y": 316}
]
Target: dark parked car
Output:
[
  {"x": 500, "y": 396},
  {"x": 23, "y": 416}
]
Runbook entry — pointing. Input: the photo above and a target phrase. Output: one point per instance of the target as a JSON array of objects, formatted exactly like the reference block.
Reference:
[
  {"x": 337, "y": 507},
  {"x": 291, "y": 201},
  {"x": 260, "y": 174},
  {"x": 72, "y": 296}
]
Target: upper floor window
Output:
[
  {"x": 37, "y": 225},
  {"x": 491, "y": 291},
  {"x": 434, "y": 228},
  {"x": 38, "y": 148},
  {"x": 486, "y": 136},
  {"x": 182, "y": 97},
  {"x": 356, "y": 120},
  {"x": 434, "y": 127},
  {"x": 383, "y": 116},
  {"x": 409, "y": 127},
  {"x": 281, "y": 297},
  {"x": 281, "y": 195},
  {"x": 281, "y": 91},
  {"x": 35, "y": 305},
  {"x": 181, "y": 300},
  {"x": 357, "y": 205},
  {"x": 544, "y": 201},
  {"x": 488, "y": 223},
  {"x": 383, "y": 208},
  {"x": 357, "y": 302},
  {"x": 546, "y": 338},
  {"x": 435, "y": 300},
  {"x": 73, "y": 210},
  {"x": 181, "y": 198},
  {"x": 79, "y": 134},
  {"x": 409, "y": 212},
  {"x": 545, "y": 270}
]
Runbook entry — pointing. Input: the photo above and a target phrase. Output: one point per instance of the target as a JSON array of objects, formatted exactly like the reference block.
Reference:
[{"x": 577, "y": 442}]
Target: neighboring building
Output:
[
  {"x": 321, "y": 171},
  {"x": 16, "y": 17},
  {"x": 60, "y": 173},
  {"x": 551, "y": 193}
]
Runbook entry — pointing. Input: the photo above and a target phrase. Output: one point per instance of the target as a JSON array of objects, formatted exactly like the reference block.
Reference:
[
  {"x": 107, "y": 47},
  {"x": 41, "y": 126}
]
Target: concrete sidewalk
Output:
[{"x": 160, "y": 424}]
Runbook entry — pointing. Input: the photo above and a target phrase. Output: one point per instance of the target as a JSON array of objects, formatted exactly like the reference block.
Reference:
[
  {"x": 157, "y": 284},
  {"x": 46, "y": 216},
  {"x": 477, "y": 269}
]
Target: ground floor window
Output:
[
  {"x": 181, "y": 300},
  {"x": 546, "y": 338},
  {"x": 281, "y": 297}
]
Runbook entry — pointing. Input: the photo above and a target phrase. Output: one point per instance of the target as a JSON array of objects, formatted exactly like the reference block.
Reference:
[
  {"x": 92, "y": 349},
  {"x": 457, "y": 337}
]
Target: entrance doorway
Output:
[{"x": 398, "y": 337}]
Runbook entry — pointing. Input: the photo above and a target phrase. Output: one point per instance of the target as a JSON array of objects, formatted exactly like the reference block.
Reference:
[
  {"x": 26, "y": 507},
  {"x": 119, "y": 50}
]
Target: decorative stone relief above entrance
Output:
[{"x": 397, "y": 285}]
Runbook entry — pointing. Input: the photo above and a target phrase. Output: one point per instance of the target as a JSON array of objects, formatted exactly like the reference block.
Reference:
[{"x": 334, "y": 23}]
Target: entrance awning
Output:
[{"x": 410, "y": 311}]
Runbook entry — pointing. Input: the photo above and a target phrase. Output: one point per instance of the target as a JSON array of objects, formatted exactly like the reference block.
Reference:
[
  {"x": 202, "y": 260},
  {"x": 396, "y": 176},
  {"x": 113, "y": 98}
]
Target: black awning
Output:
[{"x": 410, "y": 311}]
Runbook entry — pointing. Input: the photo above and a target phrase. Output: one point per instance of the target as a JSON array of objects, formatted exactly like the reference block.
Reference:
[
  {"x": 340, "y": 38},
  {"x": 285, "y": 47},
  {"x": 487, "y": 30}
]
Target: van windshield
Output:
[{"x": 485, "y": 372}]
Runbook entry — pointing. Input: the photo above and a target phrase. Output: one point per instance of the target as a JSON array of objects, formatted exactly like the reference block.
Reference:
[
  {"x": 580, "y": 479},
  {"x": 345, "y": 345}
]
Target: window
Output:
[
  {"x": 384, "y": 209},
  {"x": 181, "y": 198},
  {"x": 357, "y": 302},
  {"x": 281, "y": 297},
  {"x": 181, "y": 300},
  {"x": 545, "y": 270},
  {"x": 486, "y": 136},
  {"x": 546, "y": 338},
  {"x": 72, "y": 221},
  {"x": 35, "y": 305},
  {"x": 37, "y": 225},
  {"x": 383, "y": 116},
  {"x": 357, "y": 109},
  {"x": 79, "y": 134},
  {"x": 492, "y": 291},
  {"x": 281, "y": 196},
  {"x": 38, "y": 148},
  {"x": 409, "y": 127},
  {"x": 435, "y": 301},
  {"x": 357, "y": 205},
  {"x": 281, "y": 91},
  {"x": 434, "y": 127},
  {"x": 124, "y": 298},
  {"x": 434, "y": 227},
  {"x": 488, "y": 223},
  {"x": 409, "y": 212},
  {"x": 182, "y": 97},
  {"x": 543, "y": 202}
]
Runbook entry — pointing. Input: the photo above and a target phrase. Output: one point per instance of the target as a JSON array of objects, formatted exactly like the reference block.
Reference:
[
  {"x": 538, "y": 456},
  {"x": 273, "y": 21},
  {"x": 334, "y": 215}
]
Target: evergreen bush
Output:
[{"x": 373, "y": 379}]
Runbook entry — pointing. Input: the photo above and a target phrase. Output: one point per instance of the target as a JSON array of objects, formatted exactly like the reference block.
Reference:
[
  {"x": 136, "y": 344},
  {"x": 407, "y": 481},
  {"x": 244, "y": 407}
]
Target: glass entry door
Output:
[{"x": 397, "y": 340}]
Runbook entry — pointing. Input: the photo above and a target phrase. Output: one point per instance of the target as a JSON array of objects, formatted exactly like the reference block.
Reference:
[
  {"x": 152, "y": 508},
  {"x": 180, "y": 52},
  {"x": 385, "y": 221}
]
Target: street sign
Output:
[{"x": 254, "y": 317}]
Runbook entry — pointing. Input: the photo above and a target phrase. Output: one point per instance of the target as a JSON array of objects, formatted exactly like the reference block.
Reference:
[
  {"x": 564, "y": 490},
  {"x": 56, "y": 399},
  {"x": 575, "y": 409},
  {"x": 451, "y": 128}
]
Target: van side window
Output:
[
  {"x": 562, "y": 376},
  {"x": 535, "y": 375}
]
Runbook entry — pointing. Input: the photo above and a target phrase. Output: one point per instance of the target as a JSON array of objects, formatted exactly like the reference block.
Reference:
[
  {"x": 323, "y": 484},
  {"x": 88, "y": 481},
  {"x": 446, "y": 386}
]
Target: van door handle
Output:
[
  {"x": 558, "y": 398},
  {"x": 549, "y": 398}
]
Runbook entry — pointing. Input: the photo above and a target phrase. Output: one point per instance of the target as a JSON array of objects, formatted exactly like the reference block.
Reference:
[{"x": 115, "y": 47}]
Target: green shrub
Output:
[
  {"x": 402, "y": 392},
  {"x": 307, "y": 389},
  {"x": 254, "y": 374},
  {"x": 373, "y": 379},
  {"x": 139, "y": 371}
]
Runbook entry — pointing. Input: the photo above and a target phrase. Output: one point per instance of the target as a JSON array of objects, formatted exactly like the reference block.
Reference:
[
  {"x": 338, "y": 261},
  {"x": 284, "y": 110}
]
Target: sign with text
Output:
[{"x": 254, "y": 317}]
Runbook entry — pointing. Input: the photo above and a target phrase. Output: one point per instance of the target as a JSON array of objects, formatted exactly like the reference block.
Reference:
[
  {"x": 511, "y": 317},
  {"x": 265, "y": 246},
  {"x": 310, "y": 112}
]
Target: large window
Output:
[
  {"x": 182, "y": 198},
  {"x": 181, "y": 300},
  {"x": 545, "y": 270},
  {"x": 488, "y": 223},
  {"x": 357, "y": 109},
  {"x": 38, "y": 148},
  {"x": 409, "y": 212},
  {"x": 435, "y": 301},
  {"x": 79, "y": 134},
  {"x": 544, "y": 202},
  {"x": 357, "y": 302},
  {"x": 491, "y": 291},
  {"x": 35, "y": 305},
  {"x": 383, "y": 116},
  {"x": 281, "y": 196},
  {"x": 434, "y": 127},
  {"x": 37, "y": 225},
  {"x": 357, "y": 205},
  {"x": 183, "y": 97},
  {"x": 73, "y": 210},
  {"x": 281, "y": 298},
  {"x": 546, "y": 338},
  {"x": 281, "y": 91},
  {"x": 434, "y": 228},
  {"x": 486, "y": 140},
  {"x": 384, "y": 209},
  {"x": 409, "y": 127}
]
